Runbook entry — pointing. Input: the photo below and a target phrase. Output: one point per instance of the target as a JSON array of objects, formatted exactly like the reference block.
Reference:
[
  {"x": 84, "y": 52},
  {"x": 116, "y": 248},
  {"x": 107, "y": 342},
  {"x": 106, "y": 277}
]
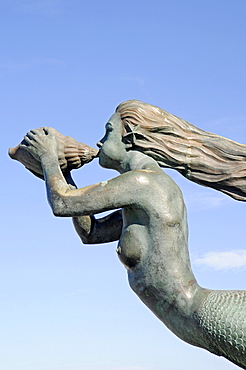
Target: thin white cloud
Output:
[
  {"x": 101, "y": 367},
  {"x": 231, "y": 127},
  {"x": 20, "y": 66},
  {"x": 137, "y": 80},
  {"x": 29, "y": 63},
  {"x": 40, "y": 7},
  {"x": 200, "y": 200},
  {"x": 223, "y": 260},
  {"x": 226, "y": 122}
]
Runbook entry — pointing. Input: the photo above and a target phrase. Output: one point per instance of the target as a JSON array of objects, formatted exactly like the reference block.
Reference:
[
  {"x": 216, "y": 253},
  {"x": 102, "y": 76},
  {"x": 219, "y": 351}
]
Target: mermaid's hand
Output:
[{"x": 41, "y": 143}]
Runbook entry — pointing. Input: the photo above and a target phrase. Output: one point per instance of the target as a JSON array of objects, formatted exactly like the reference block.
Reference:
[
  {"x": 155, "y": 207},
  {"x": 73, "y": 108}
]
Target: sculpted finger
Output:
[
  {"x": 34, "y": 131},
  {"x": 30, "y": 135},
  {"x": 29, "y": 140}
]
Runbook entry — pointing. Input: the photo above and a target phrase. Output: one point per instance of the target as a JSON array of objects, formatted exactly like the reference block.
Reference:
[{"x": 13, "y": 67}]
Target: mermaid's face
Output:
[{"x": 112, "y": 149}]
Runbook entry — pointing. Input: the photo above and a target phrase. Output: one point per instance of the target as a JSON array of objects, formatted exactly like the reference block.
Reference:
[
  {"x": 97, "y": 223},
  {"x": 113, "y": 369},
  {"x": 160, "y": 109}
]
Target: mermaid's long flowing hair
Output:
[{"x": 200, "y": 156}]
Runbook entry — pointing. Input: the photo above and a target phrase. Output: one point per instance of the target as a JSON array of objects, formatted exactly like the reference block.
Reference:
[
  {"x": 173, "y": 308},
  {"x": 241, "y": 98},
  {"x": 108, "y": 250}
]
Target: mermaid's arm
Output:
[
  {"x": 91, "y": 230},
  {"x": 102, "y": 230},
  {"x": 92, "y": 199},
  {"x": 67, "y": 201},
  {"x": 95, "y": 231}
]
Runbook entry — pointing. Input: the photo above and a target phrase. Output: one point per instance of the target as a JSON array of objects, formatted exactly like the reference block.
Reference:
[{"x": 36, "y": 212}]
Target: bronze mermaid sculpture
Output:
[{"x": 149, "y": 215}]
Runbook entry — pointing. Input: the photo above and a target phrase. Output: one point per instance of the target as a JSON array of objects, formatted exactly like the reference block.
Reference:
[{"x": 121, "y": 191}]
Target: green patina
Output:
[{"x": 159, "y": 307}]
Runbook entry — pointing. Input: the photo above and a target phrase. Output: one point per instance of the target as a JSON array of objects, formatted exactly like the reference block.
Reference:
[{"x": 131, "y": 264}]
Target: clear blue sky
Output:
[{"x": 68, "y": 64}]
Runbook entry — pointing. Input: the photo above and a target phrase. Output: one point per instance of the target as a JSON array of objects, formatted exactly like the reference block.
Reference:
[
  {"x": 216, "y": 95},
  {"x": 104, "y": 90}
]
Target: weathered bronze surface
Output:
[{"x": 149, "y": 217}]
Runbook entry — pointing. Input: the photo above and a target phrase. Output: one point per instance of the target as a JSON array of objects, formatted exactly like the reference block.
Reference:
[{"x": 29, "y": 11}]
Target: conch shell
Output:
[{"x": 72, "y": 154}]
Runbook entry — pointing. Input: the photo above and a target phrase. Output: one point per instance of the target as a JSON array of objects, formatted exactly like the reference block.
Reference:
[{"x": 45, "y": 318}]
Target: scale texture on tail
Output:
[{"x": 222, "y": 317}]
